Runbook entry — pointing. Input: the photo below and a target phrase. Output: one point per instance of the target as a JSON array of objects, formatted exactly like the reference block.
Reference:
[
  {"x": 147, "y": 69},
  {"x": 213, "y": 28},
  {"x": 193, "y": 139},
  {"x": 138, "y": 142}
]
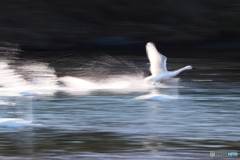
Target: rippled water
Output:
[{"x": 104, "y": 110}]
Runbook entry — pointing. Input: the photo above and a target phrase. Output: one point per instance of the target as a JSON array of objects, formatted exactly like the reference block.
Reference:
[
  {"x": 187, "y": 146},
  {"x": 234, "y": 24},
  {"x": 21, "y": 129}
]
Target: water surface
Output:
[{"x": 93, "y": 113}]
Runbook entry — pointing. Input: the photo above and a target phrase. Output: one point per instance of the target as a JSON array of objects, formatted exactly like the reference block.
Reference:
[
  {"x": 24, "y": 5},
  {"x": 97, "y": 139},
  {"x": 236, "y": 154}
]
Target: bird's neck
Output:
[{"x": 176, "y": 72}]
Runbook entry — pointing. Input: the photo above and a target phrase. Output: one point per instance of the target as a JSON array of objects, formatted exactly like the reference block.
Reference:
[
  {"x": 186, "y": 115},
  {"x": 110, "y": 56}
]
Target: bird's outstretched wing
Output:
[{"x": 157, "y": 60}]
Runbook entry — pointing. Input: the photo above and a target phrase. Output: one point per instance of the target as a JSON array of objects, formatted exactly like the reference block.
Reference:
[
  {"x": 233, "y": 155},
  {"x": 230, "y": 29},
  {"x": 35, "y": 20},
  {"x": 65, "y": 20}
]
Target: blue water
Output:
[{"x": 98, "y": 116}]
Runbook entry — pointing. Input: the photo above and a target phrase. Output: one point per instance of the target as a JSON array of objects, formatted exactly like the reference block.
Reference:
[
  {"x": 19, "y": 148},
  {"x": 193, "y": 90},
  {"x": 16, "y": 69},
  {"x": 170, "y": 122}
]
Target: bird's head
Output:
[{"x": 190, "y": 67}]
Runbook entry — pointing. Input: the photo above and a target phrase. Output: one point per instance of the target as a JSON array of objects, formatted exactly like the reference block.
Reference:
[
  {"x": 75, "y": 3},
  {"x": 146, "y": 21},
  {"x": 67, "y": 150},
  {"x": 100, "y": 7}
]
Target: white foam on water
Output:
[
  {"x": 8, "y": 77},
  {"x": 41, "y": 77},
  {"x": 120, "y": 82},
  {"x": 14, "y": 122},
  {"x": 28, "y": 79},
  {"x": 2, "y": 102},
  {"x": 11, "y": 83},
  {"x": 38, "y": 78}
]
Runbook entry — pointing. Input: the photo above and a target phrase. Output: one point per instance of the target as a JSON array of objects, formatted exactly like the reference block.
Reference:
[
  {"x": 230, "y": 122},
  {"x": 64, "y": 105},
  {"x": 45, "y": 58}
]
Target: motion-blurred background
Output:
[
  {"x": 77, "y": 68},
  {"x": 72, "y": 24}
]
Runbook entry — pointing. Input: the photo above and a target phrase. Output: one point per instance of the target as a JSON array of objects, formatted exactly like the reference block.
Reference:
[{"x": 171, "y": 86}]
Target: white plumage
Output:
[{"x": 158, "y": 66}]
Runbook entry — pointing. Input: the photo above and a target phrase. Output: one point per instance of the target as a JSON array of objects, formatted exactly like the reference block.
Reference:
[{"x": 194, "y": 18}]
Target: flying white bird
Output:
[{"x": 158, "y": 66}]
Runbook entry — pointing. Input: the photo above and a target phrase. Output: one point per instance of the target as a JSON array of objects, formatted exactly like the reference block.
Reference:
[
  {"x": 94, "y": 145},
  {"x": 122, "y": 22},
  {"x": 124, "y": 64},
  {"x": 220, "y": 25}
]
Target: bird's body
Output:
[{"x": 158, "y": 66}]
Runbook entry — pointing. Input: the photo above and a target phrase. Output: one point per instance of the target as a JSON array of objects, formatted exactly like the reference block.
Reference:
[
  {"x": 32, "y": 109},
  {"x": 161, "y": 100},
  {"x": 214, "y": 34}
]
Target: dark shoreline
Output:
[
  {"x": 208, "y": 49},
  {"x": 227, "y": 45},
  {"x": 203, "y": 49},
  {"x": 120, "y": 27}
]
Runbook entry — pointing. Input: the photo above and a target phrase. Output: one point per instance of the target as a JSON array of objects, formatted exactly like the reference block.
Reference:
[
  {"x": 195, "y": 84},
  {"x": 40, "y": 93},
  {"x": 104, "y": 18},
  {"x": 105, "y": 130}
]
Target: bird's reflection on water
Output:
[{"x": 166, "y": 92}]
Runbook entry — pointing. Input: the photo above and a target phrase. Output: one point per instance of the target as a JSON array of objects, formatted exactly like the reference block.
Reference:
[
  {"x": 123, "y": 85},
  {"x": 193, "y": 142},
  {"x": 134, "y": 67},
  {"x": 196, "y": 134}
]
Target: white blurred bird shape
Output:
[{"x": 158, "y": 66}]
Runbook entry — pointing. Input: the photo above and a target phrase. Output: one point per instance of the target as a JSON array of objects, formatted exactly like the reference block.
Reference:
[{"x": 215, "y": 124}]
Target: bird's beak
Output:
[{"x": 194, "y": 68}]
